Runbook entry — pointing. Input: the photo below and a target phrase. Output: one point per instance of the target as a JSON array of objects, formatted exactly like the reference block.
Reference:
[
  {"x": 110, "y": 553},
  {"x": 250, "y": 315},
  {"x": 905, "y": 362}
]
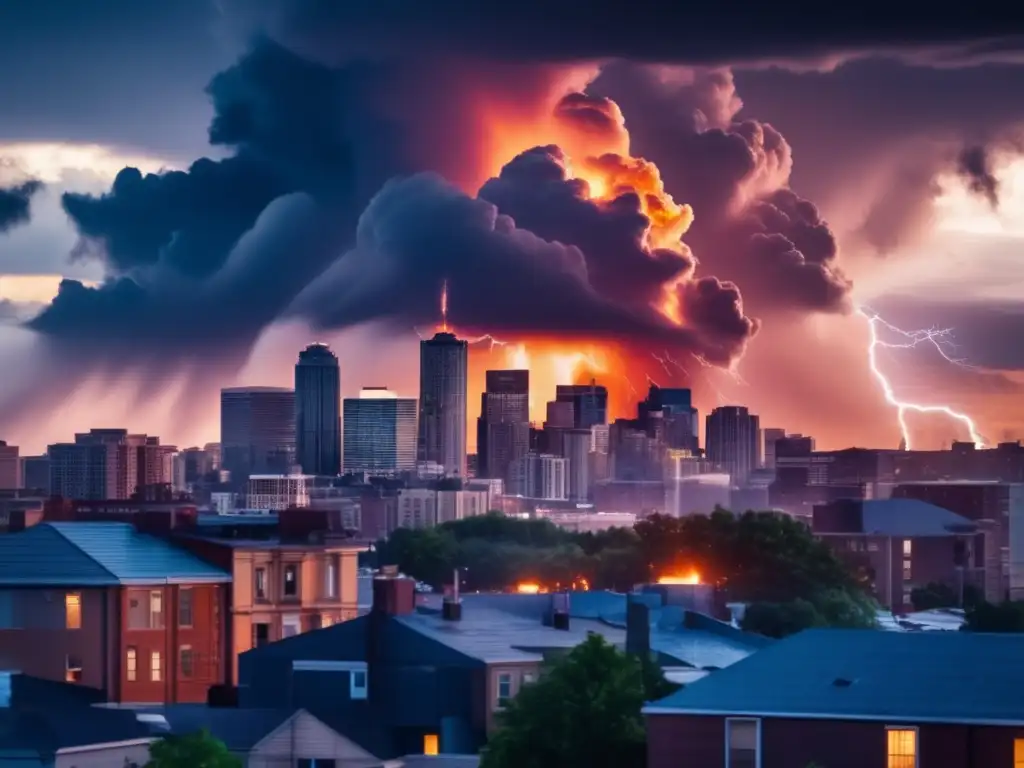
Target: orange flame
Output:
[
  {"x": 528, "y": 588},
  {"x": 688, "y": 577}
]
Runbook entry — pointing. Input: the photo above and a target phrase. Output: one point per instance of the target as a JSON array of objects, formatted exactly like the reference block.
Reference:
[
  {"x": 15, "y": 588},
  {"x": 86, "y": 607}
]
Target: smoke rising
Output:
[
  {"x": 975, "y": 166},
  {"x": 15, "y": 204}
]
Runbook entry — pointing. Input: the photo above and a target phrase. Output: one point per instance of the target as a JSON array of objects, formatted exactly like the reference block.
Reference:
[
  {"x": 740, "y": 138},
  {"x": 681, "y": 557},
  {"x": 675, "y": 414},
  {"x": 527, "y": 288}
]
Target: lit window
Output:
[
  {"x": 185, "y": 661},
  {"x": 504, "y": 688},
  {"x": 326, "y": 620},
  {"x": 261, "y": 584},
  {"x": 742, "y": 743},
  {"x": 331, "y": 579},
  {"x": 1018, "y": 753},
  {"x": 185, "y": 607},
  {"x": 291, "y": 625},
  {"x": 431, "y": 744},
  {"x": 906, "y": 570},
  {"x": 155, "y": 667},
  {"x": 73, "y": 610},
  {"x": 291, "y": 580},
  {"x": 908, "y": 547},
  {"x": 357, "y": 684},
  {"x": 131, "y": 665},
  {"x": 72, "y": 669},
  {"x": 901, "y": 748},
  {"x": 156, "y": 609}
]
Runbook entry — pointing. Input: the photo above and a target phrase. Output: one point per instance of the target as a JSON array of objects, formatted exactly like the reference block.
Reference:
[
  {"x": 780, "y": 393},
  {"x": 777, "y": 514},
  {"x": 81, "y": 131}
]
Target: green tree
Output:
[
  {"x": 584, "y": 712},
  {"x": 941, "y": 595},
  {"x": 1007, "y": 616},
  {"x": 193, "y": 750},
  {"x": 781, "y": 619}
]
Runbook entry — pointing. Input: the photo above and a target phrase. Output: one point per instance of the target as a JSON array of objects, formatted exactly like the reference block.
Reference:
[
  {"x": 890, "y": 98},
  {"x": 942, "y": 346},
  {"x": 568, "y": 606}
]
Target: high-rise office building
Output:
[
  {"x": 257, "y": 432},
  {"x": 576, "y": 450},
  {"x": 35, "y": 473},
  {"x": 771, "y": 436},
  {"x": 503, "y": 429},
  {"x": 669, "y": 415},
  {"x": 10, "y": 466},
  {"x": 380, "y": 432},
  {"x": 444, "y": 361},
  {"x": 108, "y": 464},
  {"x": 733, "y": 441},
  {"x": 540, "y": 476},
  {"x": 589, "y": 403},
  {"x": 318, "y": 411}
]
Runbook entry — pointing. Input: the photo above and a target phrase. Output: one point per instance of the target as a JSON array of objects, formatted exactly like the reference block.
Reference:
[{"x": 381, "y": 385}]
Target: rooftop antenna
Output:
[{"x": 444, "y": 306}]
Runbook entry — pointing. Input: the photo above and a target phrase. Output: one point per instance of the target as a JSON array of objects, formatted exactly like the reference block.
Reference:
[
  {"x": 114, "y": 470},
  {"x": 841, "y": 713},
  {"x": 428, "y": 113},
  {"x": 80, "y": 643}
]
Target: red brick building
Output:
[
  {"x": 851, "y": 699},
  {"x": 106, "y": 606}
]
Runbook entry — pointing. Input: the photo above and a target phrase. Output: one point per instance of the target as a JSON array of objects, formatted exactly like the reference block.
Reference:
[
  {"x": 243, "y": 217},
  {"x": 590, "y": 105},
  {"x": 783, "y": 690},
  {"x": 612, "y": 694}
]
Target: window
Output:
[
  {"x": 901, "y": 748},
  {"x": 72, "y": 669},
  {"x": 908, "y": 547},
  {"x": 431, "y": 744},
  {"x": 73, "y": 610},
  {"x": 185, "y": 661},
  {"x": 261, "y": 584},
  {"x": 156, "y": 671},
  {"x": 742, "y": 743},
  {"x": 1018, "y": 753},
  {"x": 131, "y": 665},
  {"x": 906, "y": 570},
  {"x": 528, "y": 677},
  {"x": 357, "y": 684},
  {"x": 291, "y": 625},
  {"x": 260, "y": 635},
  {"x": 326, "y": 620},
  {"x": 504, "y": 688},
  {"x": 331, "y": 578},
  {"x": 291, "y": 580},
  {"x": 145, "y": 609},
  {"x": 185, "y": 607}
]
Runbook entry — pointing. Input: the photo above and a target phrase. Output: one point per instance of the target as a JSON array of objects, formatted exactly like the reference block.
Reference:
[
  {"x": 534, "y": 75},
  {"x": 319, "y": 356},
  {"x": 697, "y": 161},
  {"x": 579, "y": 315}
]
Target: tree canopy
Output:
[
  {"x": 983, "y": 616},
  {"x": 583, "y": 712},
  {"x": 193, "y": 750},
  {"x": 940, "y": 595},
  {"x": 755, "y": 557}
]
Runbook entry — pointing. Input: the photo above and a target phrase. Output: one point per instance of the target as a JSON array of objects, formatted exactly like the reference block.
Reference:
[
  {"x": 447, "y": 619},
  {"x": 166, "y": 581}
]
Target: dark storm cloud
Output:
[
  {"x": 749, "y": 227},
  {"x": 14, "y": 204},
  {"x": 421, "y": 231},
  {"x": 646, "y": 31},
  {"x": 975, "y": 165}
]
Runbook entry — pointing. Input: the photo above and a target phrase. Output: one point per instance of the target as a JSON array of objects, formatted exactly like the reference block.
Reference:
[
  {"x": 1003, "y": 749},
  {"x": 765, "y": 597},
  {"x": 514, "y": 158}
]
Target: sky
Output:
[{"x": 191, "y": 192}]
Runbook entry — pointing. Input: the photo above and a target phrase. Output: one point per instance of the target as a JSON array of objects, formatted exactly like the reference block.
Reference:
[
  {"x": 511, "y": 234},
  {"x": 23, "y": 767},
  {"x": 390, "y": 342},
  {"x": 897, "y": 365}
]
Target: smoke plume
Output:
[
  {"x": 14, "y": 204},
  {"x": 975, "y": 166}
]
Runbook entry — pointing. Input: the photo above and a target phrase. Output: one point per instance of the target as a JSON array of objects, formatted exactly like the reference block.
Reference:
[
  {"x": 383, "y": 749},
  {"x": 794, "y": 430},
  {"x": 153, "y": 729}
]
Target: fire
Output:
[
  {"x": 687, "y": 577},
  {"x": 528, "y": 588}
]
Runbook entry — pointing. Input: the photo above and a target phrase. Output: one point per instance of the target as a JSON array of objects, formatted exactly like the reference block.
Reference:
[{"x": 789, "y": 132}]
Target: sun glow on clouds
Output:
[
  {"x": 960, "y": 211},
  {"x": 49, "y": 162}
]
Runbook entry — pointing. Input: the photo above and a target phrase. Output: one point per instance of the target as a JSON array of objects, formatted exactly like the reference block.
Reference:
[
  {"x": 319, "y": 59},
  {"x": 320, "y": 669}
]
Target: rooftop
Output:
[
  {"x": 508, "y": 628},
  {"x": 910, "y": 517},
  {"x": 97, "y": 554},
  {"x": 941, "y": 677}
]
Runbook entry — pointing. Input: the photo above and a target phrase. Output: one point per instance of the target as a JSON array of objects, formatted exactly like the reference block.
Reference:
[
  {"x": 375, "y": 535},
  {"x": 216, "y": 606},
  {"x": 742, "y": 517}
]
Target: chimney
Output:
[
  {"x": 560, "y": 610},
  {"x": 638, "y": 628},
  {"x": 451, "y": 608},
  {"x": 393, "y": 594}
]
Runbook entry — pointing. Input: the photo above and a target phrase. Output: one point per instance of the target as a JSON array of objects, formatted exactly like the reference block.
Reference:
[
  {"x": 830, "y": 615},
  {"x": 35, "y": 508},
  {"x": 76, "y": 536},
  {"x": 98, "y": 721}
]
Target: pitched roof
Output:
[
  {"x": 943, "y": 677},
  {"x": 911, "y": 517},
  {"x": 97, "y": 554},
  {"x": 239, "y": 729},
  {"x": 45, "y": 731}
]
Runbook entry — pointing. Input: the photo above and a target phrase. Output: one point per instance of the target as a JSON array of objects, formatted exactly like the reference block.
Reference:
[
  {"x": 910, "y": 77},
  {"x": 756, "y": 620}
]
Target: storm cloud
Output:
[{"x": 15, "y": 202}]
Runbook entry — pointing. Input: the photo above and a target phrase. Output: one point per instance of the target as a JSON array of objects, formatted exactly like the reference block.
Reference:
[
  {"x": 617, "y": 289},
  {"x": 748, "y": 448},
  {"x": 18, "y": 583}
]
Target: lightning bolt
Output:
[
  {"x": 444, "y": 306},
  {"x": 938, "y": 338}
]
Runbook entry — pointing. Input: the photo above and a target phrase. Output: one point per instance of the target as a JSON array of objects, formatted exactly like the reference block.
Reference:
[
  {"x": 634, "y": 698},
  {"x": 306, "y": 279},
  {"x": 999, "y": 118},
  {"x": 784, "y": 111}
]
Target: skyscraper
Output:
[
  {"x": 668, "y": 414},
  {"x": 732, "y": 441},
  {"x": 257, "y": 432},
  {"x": 318, "y": 411},
  {"x": 589, "y": 403},
  {"x": 503, "y": 429},
  {"x": 380, "y": 432},
  {"x": 444, "y": 360}
]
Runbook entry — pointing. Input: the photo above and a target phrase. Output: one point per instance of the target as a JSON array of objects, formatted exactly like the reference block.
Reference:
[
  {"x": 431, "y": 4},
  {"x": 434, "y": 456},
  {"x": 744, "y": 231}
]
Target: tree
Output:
[
  {"x": 781, "y": 619},
  {"x": 1007, "y": 616},
  {"x": 940, "y": 595},
  {"x": 193, "y": 750},
  {"x": 584, "y": 712}
]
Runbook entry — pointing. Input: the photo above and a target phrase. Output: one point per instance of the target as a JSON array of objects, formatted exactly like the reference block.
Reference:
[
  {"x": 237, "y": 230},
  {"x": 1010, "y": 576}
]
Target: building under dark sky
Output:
[
  {"x": 444, "y": 362},
  {"x": 589, "y": 403},
  {"x": 733, "y": 441},
  {"x": 380, "y": 432},
  {"x": 257, "y": 431},
  {"x": 503, "y": 428},
  {"x": 318, "y": 411}
]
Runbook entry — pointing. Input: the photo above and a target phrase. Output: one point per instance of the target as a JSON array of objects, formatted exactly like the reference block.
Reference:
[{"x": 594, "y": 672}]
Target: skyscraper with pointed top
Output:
[{"x": 444, "y": 361}]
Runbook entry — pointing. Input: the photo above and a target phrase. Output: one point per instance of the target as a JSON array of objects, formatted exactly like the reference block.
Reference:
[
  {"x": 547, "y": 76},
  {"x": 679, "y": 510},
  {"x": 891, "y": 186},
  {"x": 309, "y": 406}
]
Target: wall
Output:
[
  {"x": 42, "y": 643},
  {"x": 303, "y": 736},
  {"x": 491, "y": 699},
  {"x": 105, "y": 756},
  {"x": 674, "y": 740}
]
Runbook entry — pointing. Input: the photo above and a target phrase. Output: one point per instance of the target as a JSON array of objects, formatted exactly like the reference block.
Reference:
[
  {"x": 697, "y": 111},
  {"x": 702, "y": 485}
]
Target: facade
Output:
[
  {"x": 10, "y": 466},
  {"x": 503, "y": 428},
  {"x": 444, "y": 361},
  {"x": 904, "y": 543},
  {"x": 851, "y": 699},
  {"x": 540, "y": 476},
  {"x": 108, "y": 464},
  {"x": 278, "y": 492},
  {"x": 668, "y": 413},
  {"x": 732, "y": 441},
  {"x": 427, "y": 507},
  {"x": 281, "y": 588},
  {"x": 380, "y": 432},
  {"x": 257, "y": 431},
  {"x": 318, "y": 411},
  {"x": 576, "y": 451},
  {"x": 35, "y": 473},
  {"x": 697, "y": 494},
  {"x": 771, "y": 436},
  {"x": 589, "y": 403},
  {"x": 107, "y": 607}
]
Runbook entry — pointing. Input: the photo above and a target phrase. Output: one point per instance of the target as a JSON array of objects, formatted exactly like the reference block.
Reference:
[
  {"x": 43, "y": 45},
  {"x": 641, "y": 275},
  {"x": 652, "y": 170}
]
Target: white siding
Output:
[
  {"x": 303, "y": 736},
  {"x": 104, "y": 756}
]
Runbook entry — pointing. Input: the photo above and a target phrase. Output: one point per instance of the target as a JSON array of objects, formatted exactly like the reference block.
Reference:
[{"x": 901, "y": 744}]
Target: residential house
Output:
[
  {"x": 289, "y": 575},
  {"x": 903, "y": 543},
  {"x": 108, "y": 607},
  {"x": 435, "y": 675},
  {"x": 44, "y": 724},
  {"x": 852, "y": 699}
]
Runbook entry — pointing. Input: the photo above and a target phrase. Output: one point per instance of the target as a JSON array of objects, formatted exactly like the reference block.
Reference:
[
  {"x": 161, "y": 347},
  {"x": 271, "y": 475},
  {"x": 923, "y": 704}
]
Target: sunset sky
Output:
[{"x": 827, "y": 167}]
